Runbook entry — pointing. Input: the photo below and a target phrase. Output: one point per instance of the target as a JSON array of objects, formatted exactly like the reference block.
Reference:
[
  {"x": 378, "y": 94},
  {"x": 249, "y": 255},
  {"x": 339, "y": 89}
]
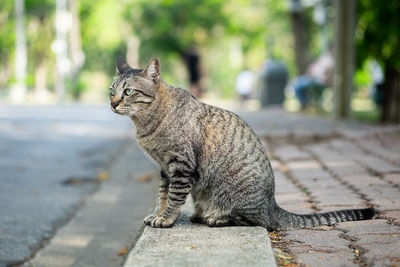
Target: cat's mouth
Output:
[{"x": 115, "y": 110}]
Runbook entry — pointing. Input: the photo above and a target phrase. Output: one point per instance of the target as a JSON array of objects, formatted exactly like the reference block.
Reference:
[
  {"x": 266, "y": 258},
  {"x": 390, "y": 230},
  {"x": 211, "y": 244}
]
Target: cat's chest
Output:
[{"x": 155, "y": 148}]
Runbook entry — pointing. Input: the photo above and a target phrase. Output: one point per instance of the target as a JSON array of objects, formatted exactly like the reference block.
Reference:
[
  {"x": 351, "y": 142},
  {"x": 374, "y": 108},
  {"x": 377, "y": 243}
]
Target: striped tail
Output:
[{"x": 294, "y": 221}]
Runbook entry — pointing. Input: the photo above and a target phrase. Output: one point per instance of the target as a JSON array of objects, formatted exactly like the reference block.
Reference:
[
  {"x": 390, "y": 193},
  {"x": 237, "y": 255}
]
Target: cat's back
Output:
[{"x": 229, "y": 143}]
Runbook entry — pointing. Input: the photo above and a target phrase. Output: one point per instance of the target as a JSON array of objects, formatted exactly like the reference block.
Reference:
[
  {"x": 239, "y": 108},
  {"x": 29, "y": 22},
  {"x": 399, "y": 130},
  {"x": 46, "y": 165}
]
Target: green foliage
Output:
[
  {"x": 76, "y": 87},
  {"x": 362, "y": 77},
  {"x": 7, "y": 38},
  {"x": 173, "y": 26},
  {"x": 377, "y": 37},
  {"x": 230, "y": 35},
  {"x": 102, "y": 34},
  {"x": 377, "y": 32},
  {"x": 169, "y": 28}
]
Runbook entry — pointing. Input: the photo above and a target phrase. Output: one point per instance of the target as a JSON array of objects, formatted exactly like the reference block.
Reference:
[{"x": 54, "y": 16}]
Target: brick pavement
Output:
[{"x": 355, "y": 169}]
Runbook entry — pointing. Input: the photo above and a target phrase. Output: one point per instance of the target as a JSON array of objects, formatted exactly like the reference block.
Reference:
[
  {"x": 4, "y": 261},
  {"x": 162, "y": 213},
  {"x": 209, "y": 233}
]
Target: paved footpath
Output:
[{"x": 340, "y": 166}]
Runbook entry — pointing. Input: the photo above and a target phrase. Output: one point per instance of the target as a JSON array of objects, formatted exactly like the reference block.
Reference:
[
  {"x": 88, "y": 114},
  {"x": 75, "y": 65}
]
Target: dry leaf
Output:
[
  {"x": 101, "y": 177},
  {"x": 284, "y": 257},
  {"x": 145, "y": 178},
  {"x": 123, "y": 251}
]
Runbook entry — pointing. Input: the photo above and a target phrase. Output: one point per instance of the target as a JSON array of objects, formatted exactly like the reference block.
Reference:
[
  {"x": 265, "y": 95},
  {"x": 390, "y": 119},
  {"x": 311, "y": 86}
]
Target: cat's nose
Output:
[{"x": 115, "y": 104}]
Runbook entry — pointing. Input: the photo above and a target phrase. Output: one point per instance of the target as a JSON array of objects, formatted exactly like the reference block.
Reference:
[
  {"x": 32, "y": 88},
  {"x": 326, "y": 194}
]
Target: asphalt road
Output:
[{"x": 50, "y": 159}]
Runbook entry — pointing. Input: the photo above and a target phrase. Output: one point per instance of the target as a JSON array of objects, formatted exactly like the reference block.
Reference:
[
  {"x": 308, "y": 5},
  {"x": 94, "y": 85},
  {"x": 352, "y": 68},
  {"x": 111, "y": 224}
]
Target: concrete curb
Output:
[{"x": 188, "y": 244}]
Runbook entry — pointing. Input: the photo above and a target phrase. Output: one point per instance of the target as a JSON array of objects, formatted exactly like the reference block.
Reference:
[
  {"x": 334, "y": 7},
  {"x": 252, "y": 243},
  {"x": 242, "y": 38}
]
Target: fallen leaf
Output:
[
  {"x": 123, "y": 251},
  {"x": 101, "y": 177},
  {"x": 145, "y": 178},
  {"x": 284, "y": 257}
]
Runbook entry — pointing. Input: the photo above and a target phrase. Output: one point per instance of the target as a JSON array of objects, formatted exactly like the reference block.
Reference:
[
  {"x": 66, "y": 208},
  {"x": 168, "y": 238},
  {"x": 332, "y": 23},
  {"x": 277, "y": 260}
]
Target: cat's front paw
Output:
[
  {"x": 161, "y": 222},
  {"x": 149, "y": 218}
]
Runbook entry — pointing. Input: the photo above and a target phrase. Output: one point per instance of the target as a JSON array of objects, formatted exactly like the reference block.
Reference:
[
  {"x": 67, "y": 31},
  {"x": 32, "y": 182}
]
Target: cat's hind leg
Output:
[
  {"x": 215, "y": 217},
  {"x": 197, "y": 216}
]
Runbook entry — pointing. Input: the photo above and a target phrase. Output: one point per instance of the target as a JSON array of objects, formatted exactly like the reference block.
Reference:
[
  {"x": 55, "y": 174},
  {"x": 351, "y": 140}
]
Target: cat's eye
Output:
[
  {"x": 128, "y": 91},
  {"x": 112, "y": 92}
]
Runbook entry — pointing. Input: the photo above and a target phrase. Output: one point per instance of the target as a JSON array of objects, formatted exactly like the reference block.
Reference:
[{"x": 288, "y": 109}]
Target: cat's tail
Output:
[{"x": 284, "y": 220}]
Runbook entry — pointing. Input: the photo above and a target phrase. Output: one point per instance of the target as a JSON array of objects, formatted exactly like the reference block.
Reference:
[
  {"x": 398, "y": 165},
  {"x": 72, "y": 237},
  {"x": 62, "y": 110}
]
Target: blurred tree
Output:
[
  {"x": 40, "y": 34},
  {"x": 174, "y": 27},
  {"x": 377, "y": 37},
  {"x": 102, "y": 33},
  {"x": 301, "y": 31},
  {"x": 7, "y": 36},
  {"x": 177, "y": 27}
]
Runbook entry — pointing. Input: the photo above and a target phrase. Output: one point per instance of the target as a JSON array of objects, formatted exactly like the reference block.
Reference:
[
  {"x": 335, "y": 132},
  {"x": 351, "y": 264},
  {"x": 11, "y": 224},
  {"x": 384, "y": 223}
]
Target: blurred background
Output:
[{"x": 319, "y": 56}]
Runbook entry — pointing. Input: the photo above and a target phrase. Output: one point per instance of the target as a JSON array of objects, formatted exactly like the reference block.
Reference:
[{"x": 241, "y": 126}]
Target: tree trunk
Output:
[
  {"x": 300, "y": 42},
  {"x": 132, "y": 50},
  {"x": 41, "y": 93},
  {"x": 391, "y": 96},
  {"x": 19, "y": 90},
  {"x": 76, "y": 52},
  {"x": 344, "y": 57}
]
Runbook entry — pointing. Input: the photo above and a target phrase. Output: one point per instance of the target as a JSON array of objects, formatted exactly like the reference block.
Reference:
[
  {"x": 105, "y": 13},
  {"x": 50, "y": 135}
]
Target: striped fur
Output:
[{"x": 207, "y": 152}]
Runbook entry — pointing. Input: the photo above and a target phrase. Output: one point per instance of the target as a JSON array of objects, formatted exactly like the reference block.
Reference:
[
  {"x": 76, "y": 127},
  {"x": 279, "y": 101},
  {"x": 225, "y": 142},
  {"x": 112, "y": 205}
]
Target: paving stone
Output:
[
  {"x": 382, "y": 148},
  {"x": 378, "y": 226},
  {"x": 298, "y": 208},
  {"x": 325, "y": 182},
  {"x": 326, "y": 259},
  {"x": 338, "y": 201},
  {"x": 293, "y": 202},
  {"x": 343, "y": 167},
  {"x": 306, "y": 169},
  {"x": 362, "y": 180},
  {"x": 380, "y": 248},
  {"x": 386, "y": 204},
  {"x": 392, "y": 214},
  {"x": 355, "y": 130},
  {"x": 378, "y": 165},
  {"x": 306, "y": 240},
  {"x": 384, "y": 196},
  {"x": 379, "y": 240},
  {"x": 283, "y": 187},
  {"x": 394, "y": 178},
  {"x": 290, "y": 153},
  {"x": 332, "y": 187}
]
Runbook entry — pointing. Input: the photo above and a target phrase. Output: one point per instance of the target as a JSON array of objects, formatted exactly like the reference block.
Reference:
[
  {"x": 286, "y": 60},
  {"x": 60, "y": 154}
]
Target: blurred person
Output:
[
  {"x": 192, "y": 61},
  {"x": 377, "y": 82},
  {"x": 244, "y": 84},
  {"x": 309, "y": 87}
]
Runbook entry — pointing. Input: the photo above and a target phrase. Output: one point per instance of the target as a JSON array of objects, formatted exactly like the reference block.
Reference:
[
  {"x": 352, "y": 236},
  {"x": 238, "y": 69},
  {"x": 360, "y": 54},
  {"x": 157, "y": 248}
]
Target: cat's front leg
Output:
[
  {"x": 179, "y": 187},
  {"x": 162, "y": 199}
]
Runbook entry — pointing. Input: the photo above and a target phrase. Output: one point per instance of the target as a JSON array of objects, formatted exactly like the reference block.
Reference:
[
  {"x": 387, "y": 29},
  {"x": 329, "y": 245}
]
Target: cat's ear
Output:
[
  {"x": 122, "y": 66},
  {"x": 152, "y": 70}
]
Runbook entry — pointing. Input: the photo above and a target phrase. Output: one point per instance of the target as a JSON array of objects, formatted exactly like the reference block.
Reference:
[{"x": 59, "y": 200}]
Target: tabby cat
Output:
[{"x": 208, "y": 152}]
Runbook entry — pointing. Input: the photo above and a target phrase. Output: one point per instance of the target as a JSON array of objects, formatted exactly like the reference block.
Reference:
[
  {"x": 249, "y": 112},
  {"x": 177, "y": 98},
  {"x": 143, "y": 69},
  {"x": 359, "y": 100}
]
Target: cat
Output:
[{"x": 207, "y": 152}]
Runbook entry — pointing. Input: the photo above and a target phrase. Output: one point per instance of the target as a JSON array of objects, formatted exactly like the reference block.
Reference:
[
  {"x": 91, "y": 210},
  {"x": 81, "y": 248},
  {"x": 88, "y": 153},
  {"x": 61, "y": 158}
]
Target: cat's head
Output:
[{"x": 135, "y": 90}]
